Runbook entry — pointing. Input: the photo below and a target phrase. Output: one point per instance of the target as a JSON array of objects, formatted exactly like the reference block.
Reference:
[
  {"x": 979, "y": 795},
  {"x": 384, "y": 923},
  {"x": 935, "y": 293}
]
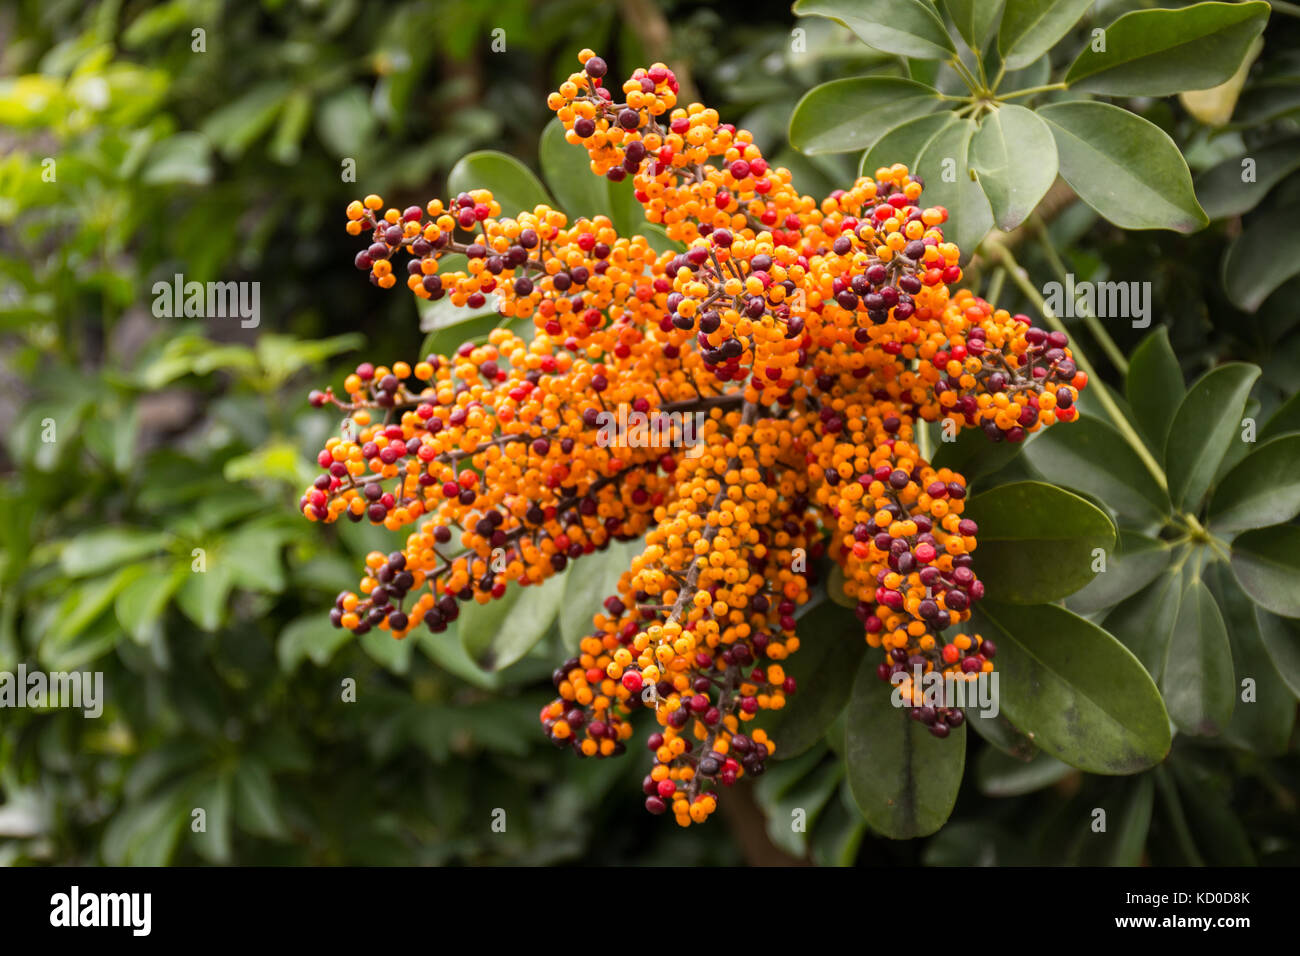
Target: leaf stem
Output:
[
  {"x": 1030, "y": 91},
  {"x": 1021, "y": 280},
  {"x": 966, "y": 75}
]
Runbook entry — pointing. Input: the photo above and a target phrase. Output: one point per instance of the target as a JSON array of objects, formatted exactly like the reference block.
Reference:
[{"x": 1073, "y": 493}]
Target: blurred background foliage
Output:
[{"x": 128, "y": 156}]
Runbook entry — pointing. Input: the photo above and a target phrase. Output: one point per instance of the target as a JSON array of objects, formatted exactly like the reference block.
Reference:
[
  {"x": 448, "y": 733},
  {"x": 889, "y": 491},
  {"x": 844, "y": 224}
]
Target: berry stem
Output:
[{"x": 1020, "y": 278}]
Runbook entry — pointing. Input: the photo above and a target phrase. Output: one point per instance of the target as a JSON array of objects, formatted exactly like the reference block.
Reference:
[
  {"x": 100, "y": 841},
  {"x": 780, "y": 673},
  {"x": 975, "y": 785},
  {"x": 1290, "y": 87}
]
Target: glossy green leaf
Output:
[
  {"x": 904, "y": 143},
  {"x": 1136, "y": 561},
  {"x": 792, "y": 795},
  {"x": 906, "y": 27},
  {"x": 831, "y": 642},
  {"x": 1162, "y": 52},
  {"x": 568, "y": 174},
  {"x": 1126, "y": 168},
  {"x": 1082, "y": 695},
  {"x": 972, "y": 454},
  {"x": 1000, "y": 775},
  {"x": 1001, "y": 734},
  {"x": 1144, "y": 622},
  {"x": 1015, "y": 155},
  {"x": 310, "y": 637},
  {"x": 512, "y": 183},
  {"x": 1090, "y": 456},
  {"x": 257, "y": 805},
  {"x": 215, "y": 797},
  {"x": 1207, "y": 420},
  {"x": 945, "y": 167},
  {"x": 839, "y": 831},
  {"x": 1263, "y": 256},
  {"x": 1031, "y": 27},
  {"x": 586, "y": 589},
  {"x": 104, "y": 549},
  {"x": 1239, "y": 183},
  {"x": 852, "y": 113},
  {"x": 1128, "y": 805},
  {"x": 500, "y": 632},
  {"x": 1154, "y": 387},
  {"x": 1264, "y": 711},
  {"x": 1286, "y": 419},
  {"x": 1036, "y": 541},
  {"x": 1281, "y": 638},
  {"x": 1263, "y": 489},
  {"x": 1267, "y": 564},
  {"x": 904, "y": 779},
  {"x": 974, "y": 19},
  {"x": 140, "y": 605},
  {"x": 1197, "y": 676}
]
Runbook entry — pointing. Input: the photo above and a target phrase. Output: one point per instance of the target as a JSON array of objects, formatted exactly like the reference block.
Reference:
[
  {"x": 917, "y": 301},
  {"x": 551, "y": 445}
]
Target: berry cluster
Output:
[{"x": 811, "y": 339}]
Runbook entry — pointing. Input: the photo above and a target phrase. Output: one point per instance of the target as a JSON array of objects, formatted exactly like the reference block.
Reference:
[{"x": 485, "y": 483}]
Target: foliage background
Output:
[{"x": 223, "y": 688}]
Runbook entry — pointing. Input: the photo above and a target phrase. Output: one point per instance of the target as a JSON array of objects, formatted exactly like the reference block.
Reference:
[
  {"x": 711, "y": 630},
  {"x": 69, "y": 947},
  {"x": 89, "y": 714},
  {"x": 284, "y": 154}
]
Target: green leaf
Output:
[
  {"x": 202, "y": 596},
  {"x": 831, "y": 646},
  {"x": 234, "y": 127},
  {"x": 1262, "y": 723},
  {"x": 215, "y": 798},
  {"x": 1126, "y": 168},
  {"x": 391, "y": 653},
  {"x": 908, "y": 28},
  {"x": 904, "y": 779},
  {"x": 139, "y": 606},
  {"x": 103, "y": 549},
  {"x": 904, "y": 143},
  {"x": 1197, "y": 676},
  {"x": 1286, "y": 419},
  {"x": 568, "y": 174},
  {"x": 1082, "y": 695},
  {"x": 1267, "y": 564},
  {"x": 512, "y": 183},
  {"x": 257, "y": 808},
  {"x": 839, "y": 831},
  {"x": 309, "y": 637},
  {"x": 183, "y": 158},
  {"x": 1128, "y": 805},
  {"x": 1036, "y": 542},
  {"x": 1163, "y": 52},
  {"x": 1092, "y": 457},
  {"x": 1144, "y": 623},
  {"x": 1204, "y": 425},
  {"x": 1154, "y": 387},
  {"x": 1263, "y": 489},
  {"x": 972, "y": 454},
  {"x": 1000, "y": 775},
  {"x": 945, "y": 166},
  {"x": 1281, "y": 639},
  {"x": 1136, "y": 561},
  {"x": 500, "y": 632},
  {"x": 1263, "y": 256},
  {"x": 587, "y": 588},
  {"x": 792, "y": 796},
  {"x": 1225, "y": 190},
  {"x": 1002, "y": 734},
  {"x": 1015, "y": 155},
  {"x": 1031, "y": 27},
  {"x": 1219, "y": 833},
  {"x": 974, "y": 19},
  {"x": 852, "y": 113}
]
